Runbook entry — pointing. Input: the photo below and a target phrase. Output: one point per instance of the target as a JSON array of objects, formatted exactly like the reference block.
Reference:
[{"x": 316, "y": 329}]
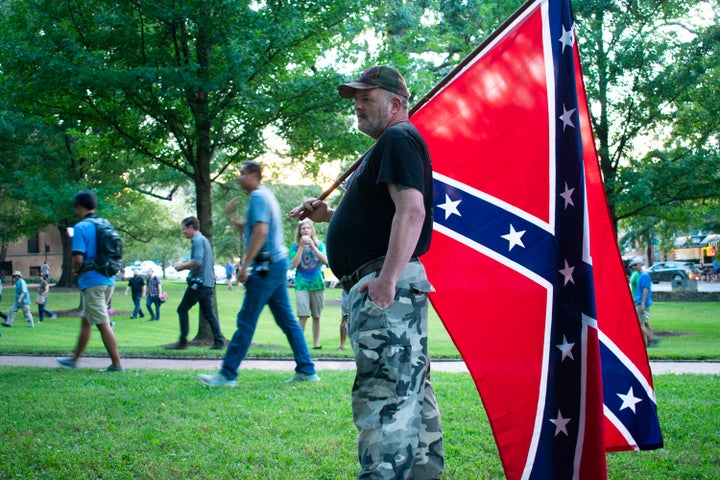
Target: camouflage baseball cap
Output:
[{"x": 376, "y": 77}]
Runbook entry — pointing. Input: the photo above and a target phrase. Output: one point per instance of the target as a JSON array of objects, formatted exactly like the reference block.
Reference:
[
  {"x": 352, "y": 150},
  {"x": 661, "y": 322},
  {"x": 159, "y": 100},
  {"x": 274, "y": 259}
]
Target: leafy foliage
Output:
[
  {"x": 160, "y": 97},
  {"x": 648, "y": 68},
  {"x": 175, "y": 91}
]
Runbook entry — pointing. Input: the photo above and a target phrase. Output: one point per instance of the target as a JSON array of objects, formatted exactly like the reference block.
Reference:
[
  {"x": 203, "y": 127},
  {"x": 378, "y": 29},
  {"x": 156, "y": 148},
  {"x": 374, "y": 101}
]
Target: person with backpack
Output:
[{"x": 96, "y": 252}]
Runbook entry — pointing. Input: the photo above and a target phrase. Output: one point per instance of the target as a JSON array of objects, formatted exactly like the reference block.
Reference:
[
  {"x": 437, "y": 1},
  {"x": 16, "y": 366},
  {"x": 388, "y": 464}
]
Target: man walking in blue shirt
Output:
[
  {"x": 266, "y": 285},
  {"x": 643, "y": 301},
  {"x": 96, "y": 289}
]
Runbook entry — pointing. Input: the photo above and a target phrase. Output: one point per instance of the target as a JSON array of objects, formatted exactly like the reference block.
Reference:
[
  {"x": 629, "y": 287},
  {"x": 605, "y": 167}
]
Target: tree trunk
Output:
[
  {"x": 204, "y": 334},
  {"x": 66, "y": 277},
  {"x": 199, "y": 102},
  {"x": 203, "y": 191}
]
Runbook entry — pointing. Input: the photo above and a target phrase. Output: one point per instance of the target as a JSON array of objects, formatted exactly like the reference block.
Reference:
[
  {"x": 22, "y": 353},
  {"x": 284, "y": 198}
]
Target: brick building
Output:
[{"x": 29, "y": 254}]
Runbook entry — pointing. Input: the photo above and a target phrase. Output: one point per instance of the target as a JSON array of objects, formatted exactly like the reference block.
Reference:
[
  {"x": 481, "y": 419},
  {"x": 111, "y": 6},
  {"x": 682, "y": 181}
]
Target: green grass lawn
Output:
[
  {"x": 158, "y": 424},
  {"x": 688, "y": 330},
  {"x": 155, "y": 424}
]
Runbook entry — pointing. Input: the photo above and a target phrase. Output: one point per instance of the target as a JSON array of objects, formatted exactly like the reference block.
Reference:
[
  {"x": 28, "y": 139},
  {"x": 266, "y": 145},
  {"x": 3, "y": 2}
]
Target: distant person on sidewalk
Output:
[
  {"x": 308, "y": 256},
  {"x": 2, "y": 315},
  {"x": 634, "y": 277},
  {"x": 643, "y": 301},
  {"x": 136, "y": 287},
  {"x": 22, "y": 301},
  {"x": 229, "y": 273},
  {"x": 42, "y": 299},
  {"x": 344, "y": 311},
  {"x": 95, "y": 288},
  {"x": 266, "y": 284},
  {"x": 154, "y": 292},
  {"x": 200, "y": 288}
]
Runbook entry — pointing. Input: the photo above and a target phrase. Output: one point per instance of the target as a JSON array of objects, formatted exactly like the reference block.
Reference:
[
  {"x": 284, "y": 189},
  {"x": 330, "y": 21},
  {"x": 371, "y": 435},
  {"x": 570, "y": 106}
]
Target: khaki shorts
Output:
[
  {"x": 309, "y": 302},
  {"x": 644, "y": 317},
  {"x": 95, "y": 302}
]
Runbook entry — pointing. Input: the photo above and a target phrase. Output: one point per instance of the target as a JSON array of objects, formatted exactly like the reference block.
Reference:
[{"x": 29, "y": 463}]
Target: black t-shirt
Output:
[
  {"x": 359, "y": 229},
  {"x": 136, "y": 285}
]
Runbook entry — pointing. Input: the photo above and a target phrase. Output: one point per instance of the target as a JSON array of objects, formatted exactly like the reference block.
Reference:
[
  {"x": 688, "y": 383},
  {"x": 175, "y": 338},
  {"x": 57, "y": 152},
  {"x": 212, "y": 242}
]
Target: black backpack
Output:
[{"x": 108, "y": 258}]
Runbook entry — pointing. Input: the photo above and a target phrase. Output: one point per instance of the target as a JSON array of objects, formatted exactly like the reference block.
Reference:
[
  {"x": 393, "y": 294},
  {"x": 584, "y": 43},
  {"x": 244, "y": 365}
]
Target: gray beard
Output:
[{"x": 373, "y": 128}]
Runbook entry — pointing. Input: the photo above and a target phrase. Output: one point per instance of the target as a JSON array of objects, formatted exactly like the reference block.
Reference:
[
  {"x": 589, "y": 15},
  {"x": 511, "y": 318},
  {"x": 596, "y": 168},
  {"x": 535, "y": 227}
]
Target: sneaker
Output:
[
  {"x": 66, "y": 362},
  {"x": 5, "y": 324},
  {"x": 218, "y": 346},
  {"x": 177, "y": 346},
  {"x": 303, "y": 377},
  {"x": 112, "y": 325},
  {"x": 115, "y": 369},
  {"x": 216, "y": 380},
  {"x": 54, "y": 317}
]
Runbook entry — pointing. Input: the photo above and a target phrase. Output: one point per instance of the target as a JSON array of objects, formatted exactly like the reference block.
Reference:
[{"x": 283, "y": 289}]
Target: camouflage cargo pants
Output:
[{"x": 393, "y": 402}]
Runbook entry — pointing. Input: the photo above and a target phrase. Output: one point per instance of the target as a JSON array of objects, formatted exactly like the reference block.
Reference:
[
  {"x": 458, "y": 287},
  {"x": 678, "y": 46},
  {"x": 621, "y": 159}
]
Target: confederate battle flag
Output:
[{"x": 529, "y": 280}]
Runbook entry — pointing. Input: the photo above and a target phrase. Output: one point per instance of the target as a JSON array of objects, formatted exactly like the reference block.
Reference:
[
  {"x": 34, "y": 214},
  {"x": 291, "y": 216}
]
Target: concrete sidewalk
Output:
[{"x": 452, "y": 366}]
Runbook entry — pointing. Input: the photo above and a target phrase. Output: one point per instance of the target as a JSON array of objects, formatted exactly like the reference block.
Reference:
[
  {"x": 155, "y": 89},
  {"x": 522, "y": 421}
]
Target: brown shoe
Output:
[{"x": 177, "y": 346}]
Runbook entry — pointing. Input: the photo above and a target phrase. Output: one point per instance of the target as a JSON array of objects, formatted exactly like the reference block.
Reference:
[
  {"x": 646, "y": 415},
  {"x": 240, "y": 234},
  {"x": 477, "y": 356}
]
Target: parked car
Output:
[
  {"x": 143, "y": 267},
  {"x": 170, "y": 272},
  {"x": 220, "y": 275},
  {"x": 675, "y": 272}
]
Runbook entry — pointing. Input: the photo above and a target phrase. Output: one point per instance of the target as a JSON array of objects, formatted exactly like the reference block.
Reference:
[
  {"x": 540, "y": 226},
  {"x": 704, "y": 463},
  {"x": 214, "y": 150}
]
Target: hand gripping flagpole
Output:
[{"x": 299, "y": 211}]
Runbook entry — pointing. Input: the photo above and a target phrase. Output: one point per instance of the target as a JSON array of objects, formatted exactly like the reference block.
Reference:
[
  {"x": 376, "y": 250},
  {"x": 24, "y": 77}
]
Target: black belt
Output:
[{"x": 349, "y": 281}]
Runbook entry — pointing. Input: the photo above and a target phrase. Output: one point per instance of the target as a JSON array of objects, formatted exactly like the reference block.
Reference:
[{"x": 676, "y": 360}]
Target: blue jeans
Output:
[
  {"x": 137, "y": 311},
  {"x": 270, "y": 290},
  {"x": 149, "y": 303},
  {"x": 206, "y": 297},
  {"x": 44, "y": 311}
]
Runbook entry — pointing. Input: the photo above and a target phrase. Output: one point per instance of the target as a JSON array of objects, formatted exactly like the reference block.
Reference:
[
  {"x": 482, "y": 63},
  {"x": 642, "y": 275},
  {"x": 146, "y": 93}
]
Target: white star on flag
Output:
[
  {"x": 629, "y": 400},
  {"x": 514, "y": 237},
  {"x": 567, "y": 273},
  {"x": 567, "y": 195},
  {"x": 566, "y": 117},
  {"x": 566, "y": 349},
  {"x": 567, "y": 38},
  {"x": 560, "y": 423},
  {"x": 450, "y": 207}
]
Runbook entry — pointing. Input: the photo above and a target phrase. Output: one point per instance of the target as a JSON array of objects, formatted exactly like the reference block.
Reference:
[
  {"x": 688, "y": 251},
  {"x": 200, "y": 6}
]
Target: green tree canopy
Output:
[
  {"x": 156, "y": 96},
  {"x": 179, "y": 90}
]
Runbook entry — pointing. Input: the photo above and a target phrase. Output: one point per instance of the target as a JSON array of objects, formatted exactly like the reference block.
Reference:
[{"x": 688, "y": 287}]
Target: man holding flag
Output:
[
  {"x": 376, "y": 234},
  {"x": 519, "y": 197}
]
